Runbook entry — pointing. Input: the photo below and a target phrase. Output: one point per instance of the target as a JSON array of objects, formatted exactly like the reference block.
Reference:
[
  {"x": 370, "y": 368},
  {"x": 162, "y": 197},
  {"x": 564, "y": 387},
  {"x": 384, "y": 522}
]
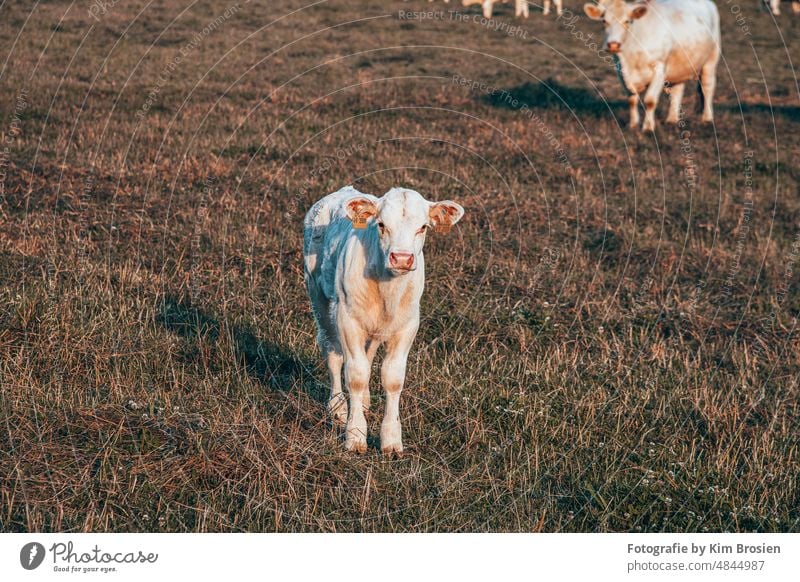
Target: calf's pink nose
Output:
[
  {"x": 613, "y": 47},
  {"x": 401, "y": 260}
]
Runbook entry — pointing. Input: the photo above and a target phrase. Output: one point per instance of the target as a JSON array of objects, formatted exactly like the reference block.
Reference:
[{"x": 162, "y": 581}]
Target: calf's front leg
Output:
[
  {"x": 393, "y": 375},
  {"x": 356, "y": 377}
]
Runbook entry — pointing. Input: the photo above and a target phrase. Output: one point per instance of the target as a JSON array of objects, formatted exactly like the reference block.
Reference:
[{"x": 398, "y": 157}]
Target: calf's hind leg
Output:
[
  {"x": 337, "y": 404},
  {"x": 372, "y": 348},
  {"x": 331, "y": 350}
]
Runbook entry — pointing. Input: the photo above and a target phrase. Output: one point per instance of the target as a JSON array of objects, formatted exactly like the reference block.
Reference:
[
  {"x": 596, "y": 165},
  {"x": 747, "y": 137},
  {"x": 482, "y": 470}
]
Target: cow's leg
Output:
[
  {"x": 633, "y": 109},
  {"x": 651, "y": 97},
  {"x": 675, "y": 99},
  {"x": 708, "y": 82},
  {"x": 393, "y": 375},
  {"x": 356, "y": 376},
  {"x": 522, "y": 8},
  {"x": 559, "y": 7},
  {"x": 337, "y": 404},
  {"x": 331, "y": 349},
  {"x": 546, "y": 10},
  {"x": 487, "y": 8}
]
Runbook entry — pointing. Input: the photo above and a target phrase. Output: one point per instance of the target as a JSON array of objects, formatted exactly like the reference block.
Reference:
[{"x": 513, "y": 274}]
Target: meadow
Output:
[{"x": 609, "y": 337}]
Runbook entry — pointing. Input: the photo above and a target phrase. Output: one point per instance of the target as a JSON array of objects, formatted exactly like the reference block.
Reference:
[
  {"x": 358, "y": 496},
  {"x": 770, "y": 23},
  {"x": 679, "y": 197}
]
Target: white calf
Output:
[
  {"x": 662, "y": 41},
  {"x": 364, "y": 271}
]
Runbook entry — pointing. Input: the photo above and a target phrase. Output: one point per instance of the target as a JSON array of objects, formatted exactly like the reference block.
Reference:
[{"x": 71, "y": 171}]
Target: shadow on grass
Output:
[
  {"x": 267, "y": 362},
  {"x": 790, "y": 112},
  {"x": 550, "y": 94}
]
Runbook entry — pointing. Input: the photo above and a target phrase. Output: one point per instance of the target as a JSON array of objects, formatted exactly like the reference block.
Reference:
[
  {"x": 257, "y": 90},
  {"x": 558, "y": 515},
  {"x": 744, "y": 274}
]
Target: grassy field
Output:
[{"x": 609, "y": 337}]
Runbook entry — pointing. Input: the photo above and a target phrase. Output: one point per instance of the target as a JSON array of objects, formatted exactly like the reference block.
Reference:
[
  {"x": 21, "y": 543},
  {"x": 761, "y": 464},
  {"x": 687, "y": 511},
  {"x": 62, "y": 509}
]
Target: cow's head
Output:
[
  {"x": 400, "y": 220},
  {"x": 616, "y": 16}
]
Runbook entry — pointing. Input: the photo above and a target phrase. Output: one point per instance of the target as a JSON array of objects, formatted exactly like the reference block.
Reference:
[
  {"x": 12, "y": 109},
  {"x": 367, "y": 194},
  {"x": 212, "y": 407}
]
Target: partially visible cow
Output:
[
  {"x": 365, "y": 272},
  {"x": 662, "y": 41},
  {"x": 520, "y": 6},
  {"x": 774, "y": 6}
]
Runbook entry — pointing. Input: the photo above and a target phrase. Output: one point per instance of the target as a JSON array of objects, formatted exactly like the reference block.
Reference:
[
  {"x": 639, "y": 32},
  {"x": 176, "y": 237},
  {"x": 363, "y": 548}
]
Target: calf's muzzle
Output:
[{"x": 401, "y": 261}]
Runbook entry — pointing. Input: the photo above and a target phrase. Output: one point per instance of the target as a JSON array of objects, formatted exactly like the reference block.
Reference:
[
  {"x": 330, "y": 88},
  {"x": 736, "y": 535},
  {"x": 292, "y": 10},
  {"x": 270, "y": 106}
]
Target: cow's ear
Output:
[
  {"x": 359, "y": 210},
  {"x": 593, "y": 11},
  {"x": 444, "y": 215},
  {"x": 638, "y": 11}
]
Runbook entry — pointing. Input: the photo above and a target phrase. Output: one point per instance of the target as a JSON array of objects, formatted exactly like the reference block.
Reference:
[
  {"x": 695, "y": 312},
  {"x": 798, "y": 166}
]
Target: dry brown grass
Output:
[{"x": 607, "y": 348}]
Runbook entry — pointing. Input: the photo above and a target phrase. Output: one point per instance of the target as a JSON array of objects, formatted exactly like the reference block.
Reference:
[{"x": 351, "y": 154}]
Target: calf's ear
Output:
[
  {"x": 638, "y": 11},
  {"x": 593, "y": 11},
  {"x": 444, "y": 215},
  {"x": 359, "y": 210}
]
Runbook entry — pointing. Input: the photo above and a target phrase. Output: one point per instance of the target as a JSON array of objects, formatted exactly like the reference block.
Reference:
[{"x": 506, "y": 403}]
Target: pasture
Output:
[{"x": 609, "y": 337}]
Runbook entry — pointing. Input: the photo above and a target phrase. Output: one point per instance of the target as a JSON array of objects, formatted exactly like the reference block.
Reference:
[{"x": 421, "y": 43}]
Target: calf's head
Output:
[
  {"x": 616, "y": 16},
  {"x": 400, "y": 220}
]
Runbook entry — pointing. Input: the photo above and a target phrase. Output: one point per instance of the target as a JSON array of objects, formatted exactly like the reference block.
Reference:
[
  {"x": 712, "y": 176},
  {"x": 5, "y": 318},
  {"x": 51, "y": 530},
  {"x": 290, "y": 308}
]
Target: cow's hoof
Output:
[
  {"x": 673, "y": 120},
  {"x": 649, "y": 127},
  {"x": 392, "y": 449},
  {"x": 356, "y": 446},
  {"x": 337, "y": 410},
  {"x": 391, "y": 438}
]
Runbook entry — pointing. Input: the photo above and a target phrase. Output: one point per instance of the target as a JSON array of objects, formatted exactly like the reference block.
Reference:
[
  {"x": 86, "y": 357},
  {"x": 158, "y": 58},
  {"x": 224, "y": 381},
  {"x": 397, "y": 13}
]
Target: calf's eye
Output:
[
  {"x": 422, "y": 229},
  {"x": 381, "y": 227}
]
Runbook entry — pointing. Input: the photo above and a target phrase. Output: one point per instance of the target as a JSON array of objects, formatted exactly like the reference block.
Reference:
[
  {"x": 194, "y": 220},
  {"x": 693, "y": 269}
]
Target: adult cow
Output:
[
  {"x": 662, "y": 41},
  {"x": 365, "y": 272}
]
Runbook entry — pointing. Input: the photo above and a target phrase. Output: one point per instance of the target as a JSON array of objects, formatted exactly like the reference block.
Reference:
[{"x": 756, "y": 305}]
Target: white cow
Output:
[
  {"x": 775, "y": 6},
  {"x": 364, "y": 271},
  {"x": 662, "y": 41}
]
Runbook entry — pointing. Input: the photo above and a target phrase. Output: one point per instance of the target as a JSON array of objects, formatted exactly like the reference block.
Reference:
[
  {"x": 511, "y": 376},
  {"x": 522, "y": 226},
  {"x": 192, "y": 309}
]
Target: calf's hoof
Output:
[
  {"x": 392, "y": 449},
  {"x": 391, "y": 438},
  {"x": 356, "y": 444},
  {"x": 337, "y": 410}
]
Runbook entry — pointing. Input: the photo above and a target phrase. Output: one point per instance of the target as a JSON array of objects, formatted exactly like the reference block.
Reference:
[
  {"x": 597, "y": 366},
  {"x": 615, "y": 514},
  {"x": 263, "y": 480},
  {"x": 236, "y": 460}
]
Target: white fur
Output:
[
  {"x": 662, "y": 41},
  {"x": 361, "y": 301}
]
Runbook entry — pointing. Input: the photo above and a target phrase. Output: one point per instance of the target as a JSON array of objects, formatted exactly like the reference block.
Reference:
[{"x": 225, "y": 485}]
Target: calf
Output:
[
  {"x": 364, "y": 271},
  {"x": 662, "y": 41}
]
